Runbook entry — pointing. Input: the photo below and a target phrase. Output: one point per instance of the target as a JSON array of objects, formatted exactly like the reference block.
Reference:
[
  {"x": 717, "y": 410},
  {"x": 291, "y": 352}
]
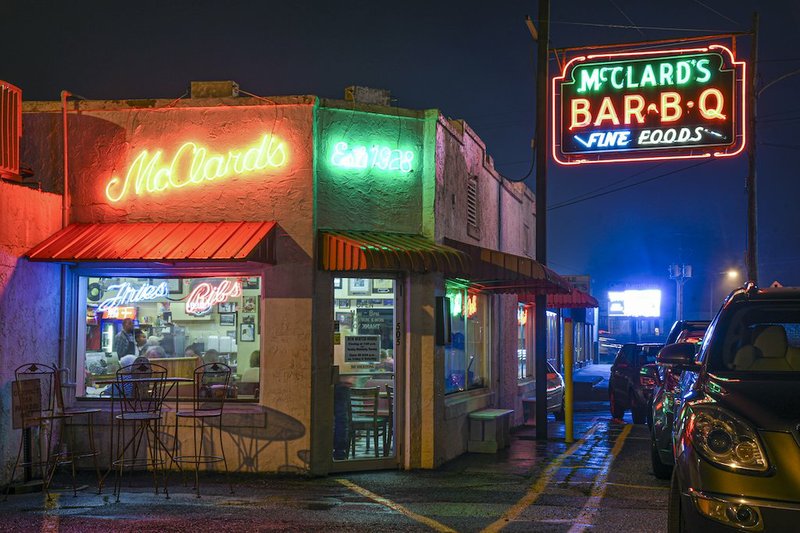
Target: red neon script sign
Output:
[
  {"x": 193, "y": 164},
  {"x": 205, "y": 295},
  {"x": 649, "y": 105}
]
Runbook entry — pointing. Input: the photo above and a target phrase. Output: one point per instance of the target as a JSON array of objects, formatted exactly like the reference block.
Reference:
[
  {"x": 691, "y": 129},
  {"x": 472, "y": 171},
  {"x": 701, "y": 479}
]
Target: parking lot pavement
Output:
[{"x": 601, "y": 482}]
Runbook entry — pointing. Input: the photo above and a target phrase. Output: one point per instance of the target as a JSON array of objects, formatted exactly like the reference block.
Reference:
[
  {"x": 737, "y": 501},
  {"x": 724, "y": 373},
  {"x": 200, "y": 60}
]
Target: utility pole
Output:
[
  {"x": 752, "y": 213},
  {"x": 681, "y": 274},
  {"x": 542, "y": 59}
]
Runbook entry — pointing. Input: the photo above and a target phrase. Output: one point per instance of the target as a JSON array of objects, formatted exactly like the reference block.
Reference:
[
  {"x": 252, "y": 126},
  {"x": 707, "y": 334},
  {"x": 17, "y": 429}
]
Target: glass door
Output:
[{"x": 366, "y": 322}]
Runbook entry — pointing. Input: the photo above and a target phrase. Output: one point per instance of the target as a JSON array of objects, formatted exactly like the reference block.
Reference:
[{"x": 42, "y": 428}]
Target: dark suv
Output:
[
  {"x": 736, "y": 440},
  {"x": 667, "y": 396},
  {"x": 630, "y": 385}
]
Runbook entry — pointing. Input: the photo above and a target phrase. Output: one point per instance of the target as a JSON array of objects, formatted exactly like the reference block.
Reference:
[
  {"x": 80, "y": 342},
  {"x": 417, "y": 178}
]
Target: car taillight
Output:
[{"x": 646, "y": 381}]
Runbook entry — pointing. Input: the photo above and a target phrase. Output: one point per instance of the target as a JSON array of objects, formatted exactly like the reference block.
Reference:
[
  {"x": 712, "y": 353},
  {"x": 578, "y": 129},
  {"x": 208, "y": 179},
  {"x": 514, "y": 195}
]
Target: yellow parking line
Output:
[
  {"x": 586, "y": 518},
  {"x": 541, "y": 483},
  {"x": 50, "y": 522},
  {"x": 433, "y": 524}
]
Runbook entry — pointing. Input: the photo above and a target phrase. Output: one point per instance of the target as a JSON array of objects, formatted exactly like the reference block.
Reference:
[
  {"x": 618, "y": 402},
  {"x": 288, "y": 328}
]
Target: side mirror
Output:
[{"x": 680, "y": 354}]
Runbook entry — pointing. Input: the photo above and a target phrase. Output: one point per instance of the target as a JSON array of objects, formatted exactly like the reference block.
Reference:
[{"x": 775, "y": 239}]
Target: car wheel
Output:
[
  {"x": 660, "y": 470},
  {"x": 617, "y": 410},
  {"x": 560, "y": 414},
  {"x": 675, "y": 523},
  {"x": 638, "y": 412}
]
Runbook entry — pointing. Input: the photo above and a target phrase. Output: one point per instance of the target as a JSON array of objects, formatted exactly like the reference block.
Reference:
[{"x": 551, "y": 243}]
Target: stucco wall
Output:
[
  {"x": 29, "y": 298},
  {"x": 505, "y": 209},
  {"x": 105, "y": 140},
  {"x": 366, "y": 196}
]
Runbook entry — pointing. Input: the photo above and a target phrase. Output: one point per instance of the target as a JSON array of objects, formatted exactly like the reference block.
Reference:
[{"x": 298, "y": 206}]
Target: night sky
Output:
[{"x": 471, "y": 60}]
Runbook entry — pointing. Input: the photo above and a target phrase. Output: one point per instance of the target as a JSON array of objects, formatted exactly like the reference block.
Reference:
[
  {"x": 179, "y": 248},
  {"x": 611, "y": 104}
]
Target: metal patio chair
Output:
[
  {"x": 211, "y": 387},
  {"x": 36, "y": 387},
  {"x": 140, "y": 390}
]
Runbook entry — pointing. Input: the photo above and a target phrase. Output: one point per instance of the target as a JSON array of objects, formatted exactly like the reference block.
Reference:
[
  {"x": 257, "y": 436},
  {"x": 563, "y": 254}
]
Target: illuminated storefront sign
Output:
[
  {"x": 522, "y": 316},
  {"x": 673, "y": 104},
  {"x": 376, "y": 156},
  {"x": 128, "y": 294},
  {"x": 193, "y": 164},
  {"x": 121, "y": 313},
  {"x": 635, "y": 303},
  {"x": 205, "y": 295}
]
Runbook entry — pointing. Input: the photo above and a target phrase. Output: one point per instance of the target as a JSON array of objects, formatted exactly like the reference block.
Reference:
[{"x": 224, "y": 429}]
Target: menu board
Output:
[{"x": 377, "y": 322}]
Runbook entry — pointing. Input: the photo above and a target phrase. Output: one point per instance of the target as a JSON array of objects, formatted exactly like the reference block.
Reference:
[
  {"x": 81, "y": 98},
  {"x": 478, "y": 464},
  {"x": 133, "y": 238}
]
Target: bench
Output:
[{"x": 489, "y": 430}]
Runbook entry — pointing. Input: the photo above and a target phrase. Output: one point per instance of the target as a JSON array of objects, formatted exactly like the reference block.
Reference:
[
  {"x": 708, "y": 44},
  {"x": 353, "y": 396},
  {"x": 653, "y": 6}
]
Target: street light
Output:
[{"x": 730, "y": 276}]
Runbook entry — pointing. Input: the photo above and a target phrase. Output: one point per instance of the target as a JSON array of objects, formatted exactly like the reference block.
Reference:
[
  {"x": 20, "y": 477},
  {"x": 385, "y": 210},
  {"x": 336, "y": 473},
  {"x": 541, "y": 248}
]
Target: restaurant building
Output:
[{"x": 316, "y": 246}]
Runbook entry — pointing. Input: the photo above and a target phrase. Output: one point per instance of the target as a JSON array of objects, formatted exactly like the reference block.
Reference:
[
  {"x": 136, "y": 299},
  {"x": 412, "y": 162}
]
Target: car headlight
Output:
[{"x": 725, "y": 439}]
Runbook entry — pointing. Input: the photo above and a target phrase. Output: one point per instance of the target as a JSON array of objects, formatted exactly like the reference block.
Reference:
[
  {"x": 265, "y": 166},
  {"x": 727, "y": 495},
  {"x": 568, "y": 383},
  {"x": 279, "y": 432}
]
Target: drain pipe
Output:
[{"x": 62, "y": 319}]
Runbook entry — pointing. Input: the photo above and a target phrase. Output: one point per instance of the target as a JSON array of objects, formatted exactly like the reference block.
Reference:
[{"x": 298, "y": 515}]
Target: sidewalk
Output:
[{"x": 591, "y": 382}]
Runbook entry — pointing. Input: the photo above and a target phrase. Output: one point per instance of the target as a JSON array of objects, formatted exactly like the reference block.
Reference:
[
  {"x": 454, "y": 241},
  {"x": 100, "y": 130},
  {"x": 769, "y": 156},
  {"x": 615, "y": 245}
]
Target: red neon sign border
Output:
[{"x": 705, "y": 155}]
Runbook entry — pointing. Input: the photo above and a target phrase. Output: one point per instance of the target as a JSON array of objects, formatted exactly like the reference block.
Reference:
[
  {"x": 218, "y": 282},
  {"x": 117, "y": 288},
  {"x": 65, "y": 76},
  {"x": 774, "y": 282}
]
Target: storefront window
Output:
[
  {"x": 467, "y": 356},
  {"x": 179, "y": 323},
  {"x": 523, "y": 323},
  {"x": 365, "y": 318}
]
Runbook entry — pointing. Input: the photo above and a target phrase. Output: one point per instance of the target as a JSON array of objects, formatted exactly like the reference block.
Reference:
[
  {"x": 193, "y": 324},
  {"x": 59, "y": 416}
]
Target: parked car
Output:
[
  {"x": 555, "y": 393},
  {"x": 667, "y": 395},
  {"x": 687, "y": 330},
  {"x": 737, "y": 432},
  {"x": 630, "y": 385}
]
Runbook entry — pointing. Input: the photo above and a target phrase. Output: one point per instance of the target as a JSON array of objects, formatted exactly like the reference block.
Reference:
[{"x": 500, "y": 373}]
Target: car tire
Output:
[
  {"x": 560, "y": 414},
  {"x": 675, "y": 522},
  {"x": 660, "y": 470},
  {"x": 638, "y": 412},
  {"x": 617, "y": 410}
]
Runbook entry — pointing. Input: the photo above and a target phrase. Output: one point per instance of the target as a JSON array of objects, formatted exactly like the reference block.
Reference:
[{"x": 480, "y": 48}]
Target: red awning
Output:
[
  {"x": 159, "y": 241},
  {"x": 378, "y": 250},
  {"x": 504, "y": 272},
  {"x": 573, "y": 300}
]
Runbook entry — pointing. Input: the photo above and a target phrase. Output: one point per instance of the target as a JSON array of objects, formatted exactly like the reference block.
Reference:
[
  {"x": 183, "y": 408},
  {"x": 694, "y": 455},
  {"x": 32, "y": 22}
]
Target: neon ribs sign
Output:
[{"x": 673, "y": 104}]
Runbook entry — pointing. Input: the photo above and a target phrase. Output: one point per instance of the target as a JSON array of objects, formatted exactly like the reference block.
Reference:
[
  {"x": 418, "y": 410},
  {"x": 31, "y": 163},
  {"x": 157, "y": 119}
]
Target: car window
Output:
[
  {"x": 647, "y": 354},
  {"x": 758, "y": 337},
  {"x": 622, "y": 354}
]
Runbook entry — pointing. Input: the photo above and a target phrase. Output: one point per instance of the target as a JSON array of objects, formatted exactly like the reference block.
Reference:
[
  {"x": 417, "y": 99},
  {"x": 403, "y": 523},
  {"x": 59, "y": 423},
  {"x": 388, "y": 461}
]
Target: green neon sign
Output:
[{"x": 372, "y": 157}]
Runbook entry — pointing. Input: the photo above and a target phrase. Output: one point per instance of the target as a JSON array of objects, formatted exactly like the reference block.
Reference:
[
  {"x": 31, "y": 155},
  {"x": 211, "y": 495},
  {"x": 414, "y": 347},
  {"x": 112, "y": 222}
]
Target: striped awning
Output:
[
  {"x": 574, "y": 300},
  {"x": 504, "y": 272},
  {"x": 377, "y": 250},
  {"x": 159, "y": 241}
]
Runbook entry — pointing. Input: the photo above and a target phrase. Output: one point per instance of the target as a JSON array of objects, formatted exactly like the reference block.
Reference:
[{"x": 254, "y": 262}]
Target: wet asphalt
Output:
[{"x": 602, "y": 482}]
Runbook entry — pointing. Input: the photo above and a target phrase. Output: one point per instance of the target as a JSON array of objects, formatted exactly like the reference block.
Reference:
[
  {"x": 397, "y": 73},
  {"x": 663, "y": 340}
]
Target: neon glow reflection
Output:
[{"x": 193, "y": 164}]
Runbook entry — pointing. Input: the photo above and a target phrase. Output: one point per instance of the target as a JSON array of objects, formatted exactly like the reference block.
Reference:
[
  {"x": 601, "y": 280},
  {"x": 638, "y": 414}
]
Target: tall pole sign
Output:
[{"x": 684, "y": 103}]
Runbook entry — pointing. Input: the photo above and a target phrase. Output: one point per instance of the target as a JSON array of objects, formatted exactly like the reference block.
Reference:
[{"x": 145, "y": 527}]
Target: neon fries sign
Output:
[
  {"x": 128, "y": 294},
  {"x": 205, "y": 295},
  {"x": 650, "y": 105},
  {"x": 193, "y": 164}
]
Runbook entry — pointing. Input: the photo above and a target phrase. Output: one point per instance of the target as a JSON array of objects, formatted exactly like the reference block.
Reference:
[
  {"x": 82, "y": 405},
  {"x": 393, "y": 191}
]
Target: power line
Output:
[
  {"x": 589, "y": 193},
  {"x": 613, "y": 3},
  {"x": 664, "y": 175},
  {"x": 716, "y": 12},
  {"x": 625, "y": 27}
]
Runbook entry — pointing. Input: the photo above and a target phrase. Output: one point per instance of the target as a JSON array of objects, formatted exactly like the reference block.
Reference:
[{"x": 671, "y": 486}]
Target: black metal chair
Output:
[
  {"x": 140, "y": 390},
  {"x": 36, "y": 388},
  {"x": 61, "y": 377},
  {"x": 211, "y": 388}
]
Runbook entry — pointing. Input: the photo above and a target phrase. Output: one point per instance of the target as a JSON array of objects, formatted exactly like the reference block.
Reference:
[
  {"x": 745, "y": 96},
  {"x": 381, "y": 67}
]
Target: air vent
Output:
[
  {"x": 10, "y": 130},
  {"x": 473, "y": 228}
]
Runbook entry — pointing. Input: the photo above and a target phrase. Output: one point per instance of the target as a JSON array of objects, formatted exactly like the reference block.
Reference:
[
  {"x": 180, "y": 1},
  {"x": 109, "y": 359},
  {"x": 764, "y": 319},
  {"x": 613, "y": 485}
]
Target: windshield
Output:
[
  {"x": 647, "y": 355},
  {"x": 758, "y": 337}
]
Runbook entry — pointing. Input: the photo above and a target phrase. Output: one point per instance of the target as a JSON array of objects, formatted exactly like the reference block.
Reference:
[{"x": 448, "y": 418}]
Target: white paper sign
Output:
[{"x": 362, "y": 348}]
